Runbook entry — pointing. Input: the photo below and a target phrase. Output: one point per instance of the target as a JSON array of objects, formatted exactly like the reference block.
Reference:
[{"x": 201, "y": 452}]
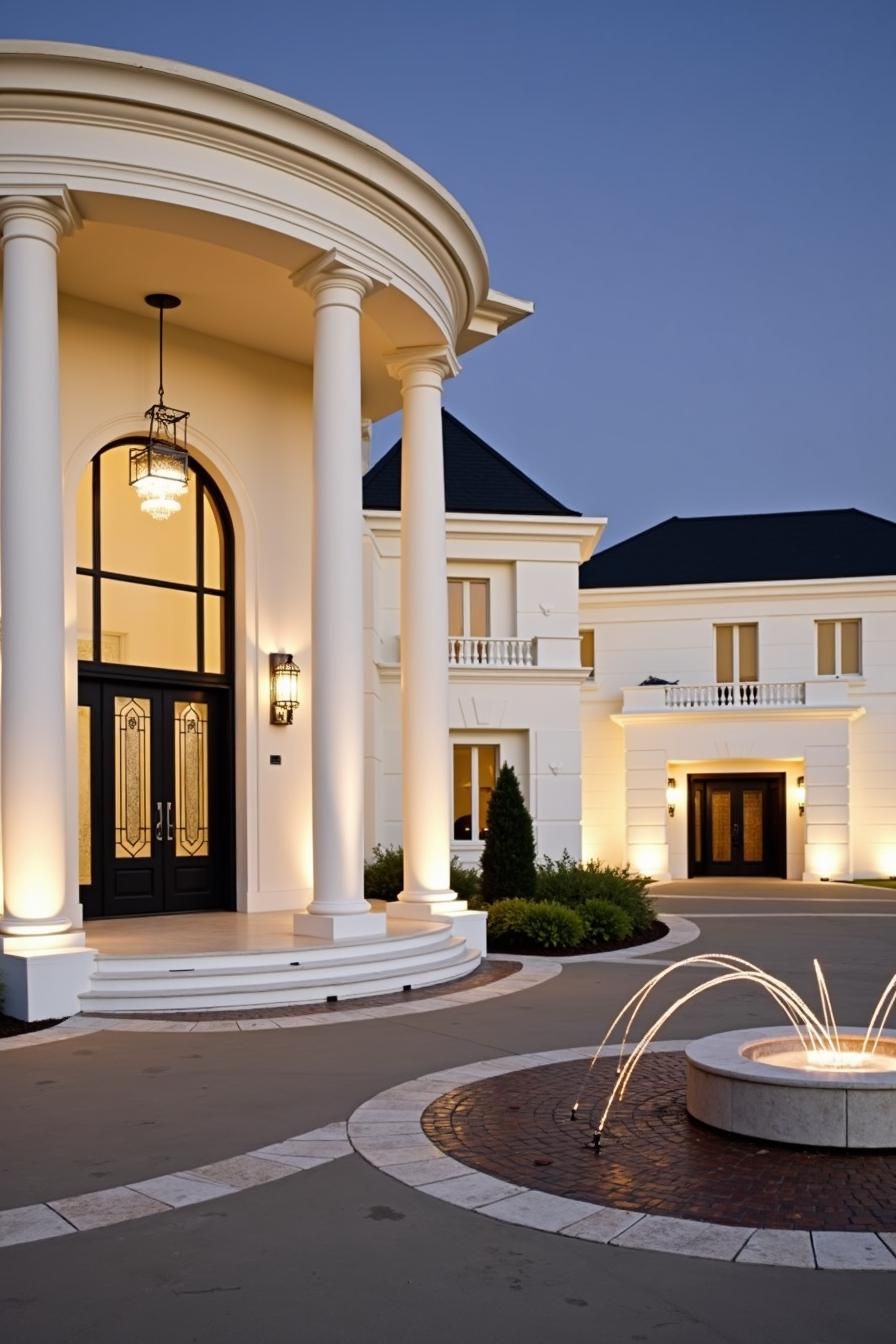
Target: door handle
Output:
[
  {"x": 158, "y": 821},
  {"x": 170, "y": 828}
]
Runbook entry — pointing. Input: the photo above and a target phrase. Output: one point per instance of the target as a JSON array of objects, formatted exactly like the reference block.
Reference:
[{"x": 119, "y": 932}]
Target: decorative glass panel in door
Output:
[
  {"x": 191, "y": 779},
  {"x": 133, "y": 756}
]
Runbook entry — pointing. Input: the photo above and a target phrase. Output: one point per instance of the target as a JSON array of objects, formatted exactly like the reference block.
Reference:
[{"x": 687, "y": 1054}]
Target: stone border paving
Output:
[
  {"x": 535, "y": 971},
  {"x": 386, "y": 1130},
  {"x": 681, "y": 931},
  {"x": 161, "y": 1194}
]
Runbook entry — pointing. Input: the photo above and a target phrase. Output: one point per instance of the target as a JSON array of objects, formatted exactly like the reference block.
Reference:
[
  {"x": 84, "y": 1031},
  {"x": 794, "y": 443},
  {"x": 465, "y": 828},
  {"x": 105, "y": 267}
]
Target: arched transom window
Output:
[{"x": 152, "y": 594}]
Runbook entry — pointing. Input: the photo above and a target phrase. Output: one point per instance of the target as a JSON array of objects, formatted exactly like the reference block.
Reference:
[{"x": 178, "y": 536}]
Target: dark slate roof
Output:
[
  {"x": 748, "y": 548},
  {"x": 477, "y": 478}
]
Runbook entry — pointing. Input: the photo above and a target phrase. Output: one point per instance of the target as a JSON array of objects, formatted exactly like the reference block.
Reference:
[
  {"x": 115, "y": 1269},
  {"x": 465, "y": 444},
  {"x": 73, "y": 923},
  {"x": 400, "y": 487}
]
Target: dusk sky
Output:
[{"x": 699, "y": 195}]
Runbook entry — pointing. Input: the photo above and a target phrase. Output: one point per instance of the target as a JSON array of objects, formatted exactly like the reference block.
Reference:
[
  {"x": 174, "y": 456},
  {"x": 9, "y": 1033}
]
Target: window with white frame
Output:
[
  {"x": 839, "y": 645},
  {"x": 475, "y": 770},
  {"x": 468, "y": 608},
  {"x": 737, "y": 653}
]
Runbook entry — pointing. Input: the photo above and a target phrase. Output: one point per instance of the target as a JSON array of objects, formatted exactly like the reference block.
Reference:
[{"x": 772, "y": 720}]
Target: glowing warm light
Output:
[
  {"x": 671, "y": 795},
  {"x": 160, "y": 494},
  {"x": 818, "y": 1043},
  {"x": 649, "y": 859},
  {"x": 800, "y": 794}
]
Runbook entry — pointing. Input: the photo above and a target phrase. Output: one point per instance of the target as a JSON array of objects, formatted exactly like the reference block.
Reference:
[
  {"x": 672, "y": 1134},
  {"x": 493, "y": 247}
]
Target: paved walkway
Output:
[{"x": 342, "y": 1251}]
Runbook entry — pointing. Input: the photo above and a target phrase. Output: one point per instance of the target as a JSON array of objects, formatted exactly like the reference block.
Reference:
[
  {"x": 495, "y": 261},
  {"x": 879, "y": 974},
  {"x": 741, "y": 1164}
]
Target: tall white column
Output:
[
  {"x": 32, "y": 718},
  {"x": 426, "y": 774},
  {"x": 338, "y": 909}
]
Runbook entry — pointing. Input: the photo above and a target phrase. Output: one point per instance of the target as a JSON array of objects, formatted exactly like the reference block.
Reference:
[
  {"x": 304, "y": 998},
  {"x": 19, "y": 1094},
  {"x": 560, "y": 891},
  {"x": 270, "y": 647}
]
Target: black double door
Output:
[
  {"x": 156, "y": 828},
  {"x": 737, "y": 826}
]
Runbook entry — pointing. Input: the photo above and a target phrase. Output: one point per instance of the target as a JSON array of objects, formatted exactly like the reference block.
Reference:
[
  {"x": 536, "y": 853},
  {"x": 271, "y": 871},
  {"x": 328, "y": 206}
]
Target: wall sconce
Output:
[
  {"x": 801, "y": 794},
  {"x": 284, "y": 688},
  {"x": 671, "y": 795}
]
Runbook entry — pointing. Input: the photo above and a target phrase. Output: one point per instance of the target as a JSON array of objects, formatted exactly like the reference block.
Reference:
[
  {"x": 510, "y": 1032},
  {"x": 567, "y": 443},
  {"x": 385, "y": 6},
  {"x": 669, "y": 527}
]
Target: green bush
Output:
[
  {"x": 571, "y": 883},
  {"x": 384, "y": 876},
  {"x": 517, "y": 925},
  {"x": 605, "y": 922},
  {"x": 508, "y": 859}
]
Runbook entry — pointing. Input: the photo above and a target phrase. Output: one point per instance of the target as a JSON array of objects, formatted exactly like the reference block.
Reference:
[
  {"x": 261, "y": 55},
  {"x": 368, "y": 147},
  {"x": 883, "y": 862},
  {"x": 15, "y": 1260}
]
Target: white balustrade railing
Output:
[
  {"x": 470, "y": 651},
  {"x": 736, "y": 695}
]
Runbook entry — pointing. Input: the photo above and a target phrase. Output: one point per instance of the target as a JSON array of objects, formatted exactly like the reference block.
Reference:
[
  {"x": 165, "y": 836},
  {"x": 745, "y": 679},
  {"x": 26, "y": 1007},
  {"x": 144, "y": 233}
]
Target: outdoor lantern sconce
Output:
[
  {"x": 801, "y": 794},
  {"x": 160, "y": 466},
  {"x": 284, "y": 688},
  {"x": 671, "y": 795}
]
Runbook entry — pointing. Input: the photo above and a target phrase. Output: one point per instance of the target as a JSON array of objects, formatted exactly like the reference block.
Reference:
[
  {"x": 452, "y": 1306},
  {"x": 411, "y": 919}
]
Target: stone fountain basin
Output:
[{"x": 732, "y": 1086}]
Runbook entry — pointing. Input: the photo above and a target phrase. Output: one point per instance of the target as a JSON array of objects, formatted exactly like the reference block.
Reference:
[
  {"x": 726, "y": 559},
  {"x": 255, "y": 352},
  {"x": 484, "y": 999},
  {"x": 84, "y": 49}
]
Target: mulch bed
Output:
[
  {"x": 11, "y": 1026},
  {"x": 486, "y": 974},
  {"x": 521, "y": 948},
  {"x": 654, "y": 1158}
]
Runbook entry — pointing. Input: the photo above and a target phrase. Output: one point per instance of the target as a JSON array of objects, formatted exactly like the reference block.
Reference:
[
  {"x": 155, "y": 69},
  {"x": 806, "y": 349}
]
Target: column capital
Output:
[
  {"x": 333, "y": 276},
  {"x": 423, "y": 365},
  {"x": 36, "y": 211}
]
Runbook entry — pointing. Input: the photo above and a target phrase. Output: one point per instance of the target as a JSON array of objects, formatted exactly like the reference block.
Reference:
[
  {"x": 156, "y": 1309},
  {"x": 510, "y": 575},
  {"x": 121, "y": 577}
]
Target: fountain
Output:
[{"x": 810, "y": 1083}]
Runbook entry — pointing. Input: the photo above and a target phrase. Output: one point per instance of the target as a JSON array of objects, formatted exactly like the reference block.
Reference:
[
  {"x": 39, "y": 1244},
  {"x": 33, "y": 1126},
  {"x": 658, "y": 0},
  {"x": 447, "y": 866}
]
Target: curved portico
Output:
[{"x": 324, "y": 278}]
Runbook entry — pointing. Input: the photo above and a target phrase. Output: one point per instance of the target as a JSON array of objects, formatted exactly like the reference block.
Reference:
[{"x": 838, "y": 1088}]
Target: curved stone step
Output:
[{"x": 238, "y": 995}]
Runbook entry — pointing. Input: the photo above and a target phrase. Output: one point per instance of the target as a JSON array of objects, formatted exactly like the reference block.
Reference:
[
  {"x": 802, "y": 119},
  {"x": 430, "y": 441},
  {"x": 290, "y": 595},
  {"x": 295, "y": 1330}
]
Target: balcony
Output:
[
  {"x": 475, "y": 652},
  {"x": 736, "y": 697}
]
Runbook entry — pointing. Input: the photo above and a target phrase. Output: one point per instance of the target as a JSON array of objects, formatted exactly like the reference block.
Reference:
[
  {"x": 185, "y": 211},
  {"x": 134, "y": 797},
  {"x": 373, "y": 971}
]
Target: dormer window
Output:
[{"x": 737, "y": 653}]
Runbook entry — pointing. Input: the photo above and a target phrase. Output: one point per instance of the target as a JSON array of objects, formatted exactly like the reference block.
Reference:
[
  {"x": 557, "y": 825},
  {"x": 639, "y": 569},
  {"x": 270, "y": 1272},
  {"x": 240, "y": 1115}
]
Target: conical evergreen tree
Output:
[{"x": 508, "y": 859}]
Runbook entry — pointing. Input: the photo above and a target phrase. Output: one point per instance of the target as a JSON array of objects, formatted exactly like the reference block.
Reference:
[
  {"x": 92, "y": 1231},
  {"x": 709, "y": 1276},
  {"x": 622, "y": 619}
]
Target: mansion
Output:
[{"x": 236, "y": 656}]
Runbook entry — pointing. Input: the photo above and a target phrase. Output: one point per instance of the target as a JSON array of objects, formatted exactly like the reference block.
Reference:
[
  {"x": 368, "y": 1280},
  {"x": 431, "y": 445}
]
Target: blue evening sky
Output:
[{"x": 699, "y": 195}]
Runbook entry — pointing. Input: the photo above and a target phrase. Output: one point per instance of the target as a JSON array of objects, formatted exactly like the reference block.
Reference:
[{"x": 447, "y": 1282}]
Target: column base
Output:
[
  {"x": 44, "y": 982},
  {"x": 438, "y": 906},
  {"x": 336, "y": 928},
  {"x": 33, "y": 928},
  {"x": 39, "y": 942}
]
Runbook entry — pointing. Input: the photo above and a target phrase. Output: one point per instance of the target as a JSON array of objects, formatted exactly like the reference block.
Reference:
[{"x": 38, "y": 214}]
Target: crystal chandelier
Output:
[{"x": 160, "y": 466}]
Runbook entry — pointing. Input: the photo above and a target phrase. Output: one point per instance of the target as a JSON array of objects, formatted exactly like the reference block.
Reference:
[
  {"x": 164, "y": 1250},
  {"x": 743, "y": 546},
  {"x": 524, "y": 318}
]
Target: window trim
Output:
[
  {"x": 736, "y": 626},
  {"x": 475, "y": 820},
  {"x": 838, "y": 622},
  {"x": 465, "y": 580}
]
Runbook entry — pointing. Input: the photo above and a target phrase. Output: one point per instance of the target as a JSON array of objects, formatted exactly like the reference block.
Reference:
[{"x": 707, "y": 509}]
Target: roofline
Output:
[
  {"x": 683, "y": 591},
  {"x": 128, "y": 77},
  {"x": 586, "y": 531}
]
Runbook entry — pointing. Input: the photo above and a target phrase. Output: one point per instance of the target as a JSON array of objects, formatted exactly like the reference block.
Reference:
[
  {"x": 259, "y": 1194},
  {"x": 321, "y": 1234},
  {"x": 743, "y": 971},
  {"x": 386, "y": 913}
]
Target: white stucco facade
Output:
[
  {"x": 834, "y": 732},
  {"x": 325, "y": 283}
]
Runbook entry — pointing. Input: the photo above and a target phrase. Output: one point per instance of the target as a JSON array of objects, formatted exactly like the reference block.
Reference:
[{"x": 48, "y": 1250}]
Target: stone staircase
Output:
[{"x": 410, "y": 956}]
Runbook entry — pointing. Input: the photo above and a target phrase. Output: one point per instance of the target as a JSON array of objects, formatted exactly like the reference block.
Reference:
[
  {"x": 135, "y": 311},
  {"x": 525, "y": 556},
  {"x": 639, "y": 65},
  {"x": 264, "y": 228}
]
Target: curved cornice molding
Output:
[{"x": 245, "y": 119}]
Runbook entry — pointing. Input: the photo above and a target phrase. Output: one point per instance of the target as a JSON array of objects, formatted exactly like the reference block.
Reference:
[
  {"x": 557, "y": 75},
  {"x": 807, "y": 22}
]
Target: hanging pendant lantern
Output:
[{"x": 160, "y": 467}]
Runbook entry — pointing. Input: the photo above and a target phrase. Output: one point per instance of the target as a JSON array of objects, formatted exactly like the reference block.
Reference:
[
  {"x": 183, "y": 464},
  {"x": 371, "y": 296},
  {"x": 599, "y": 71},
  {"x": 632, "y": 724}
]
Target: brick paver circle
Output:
[{"x": 654, "y": 1159}]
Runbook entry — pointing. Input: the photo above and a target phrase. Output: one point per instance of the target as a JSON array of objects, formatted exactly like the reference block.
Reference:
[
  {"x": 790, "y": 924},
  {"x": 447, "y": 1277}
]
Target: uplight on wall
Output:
[
  {"x": 284, "y": 688},
  {"x": 801, "y": 794},
  {"x": 671, "y": 795}
]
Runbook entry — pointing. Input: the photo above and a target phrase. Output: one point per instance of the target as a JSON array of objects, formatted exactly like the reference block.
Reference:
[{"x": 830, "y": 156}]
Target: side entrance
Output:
[{"x": 737, "y": 826}]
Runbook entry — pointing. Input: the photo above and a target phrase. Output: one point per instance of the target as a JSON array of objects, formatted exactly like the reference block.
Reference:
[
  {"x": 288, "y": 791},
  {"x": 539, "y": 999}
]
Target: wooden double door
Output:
[
  {"x": 156, "y": 798},
  {"x": 737, "y": 826}
]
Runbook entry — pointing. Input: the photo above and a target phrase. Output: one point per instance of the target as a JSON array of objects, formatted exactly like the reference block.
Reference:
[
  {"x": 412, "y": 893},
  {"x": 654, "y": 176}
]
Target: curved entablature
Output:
[{"x": 147, "y": 144}]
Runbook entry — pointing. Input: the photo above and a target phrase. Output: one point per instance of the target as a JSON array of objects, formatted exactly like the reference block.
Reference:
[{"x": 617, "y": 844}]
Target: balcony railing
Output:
[
  {"x": 473, "y": 652},
  {"x": 736, "y": 695}
]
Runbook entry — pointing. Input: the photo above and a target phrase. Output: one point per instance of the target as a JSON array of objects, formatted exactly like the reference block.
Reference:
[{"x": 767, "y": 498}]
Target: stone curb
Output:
[
  {"x": 535, "y": 971},
  {"x": 681, "y": 931},
  {"x": 387, "y": 1131},
  {"x": 160, "y": 1194}
]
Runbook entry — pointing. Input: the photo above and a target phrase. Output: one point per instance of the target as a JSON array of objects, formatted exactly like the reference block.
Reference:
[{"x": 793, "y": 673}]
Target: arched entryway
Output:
[{"x": 155, "y": 696}]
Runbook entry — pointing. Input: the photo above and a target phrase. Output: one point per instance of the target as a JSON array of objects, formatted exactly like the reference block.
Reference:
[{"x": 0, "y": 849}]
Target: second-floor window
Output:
[
  {"x": 586, "y": 645},
  {"x": 468, "y": 608},
  {"x": 839, "y": 648},
  {"x": 737, "y": 653},
  {"x": 475, "y": 770}
]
